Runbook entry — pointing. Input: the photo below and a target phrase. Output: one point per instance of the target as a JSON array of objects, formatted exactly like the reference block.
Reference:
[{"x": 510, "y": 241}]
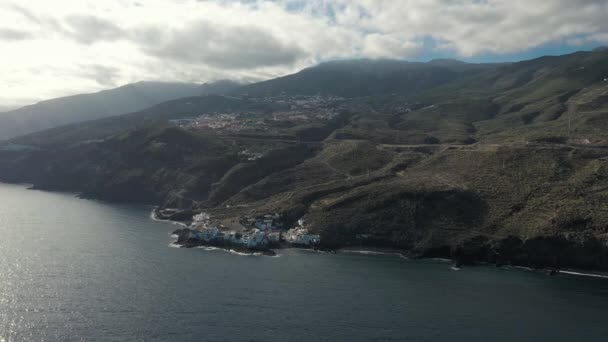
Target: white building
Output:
[
  {"x": 202, "y": 217},
  {"x": 257, "y": 239},
  {"x": 300, "y": 236},
  {"x": 274, "y": 237},
  {"x": 209, "y": 234}
]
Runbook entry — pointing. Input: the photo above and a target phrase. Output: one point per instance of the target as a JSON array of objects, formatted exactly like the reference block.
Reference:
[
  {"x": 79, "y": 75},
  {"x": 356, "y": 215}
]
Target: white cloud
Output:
[
  {"x": 472, "y": 27},
  {"x": 377, "y": 45},
  {"x": 54, "y": 48},
  {"x": 221, "y": 46}
]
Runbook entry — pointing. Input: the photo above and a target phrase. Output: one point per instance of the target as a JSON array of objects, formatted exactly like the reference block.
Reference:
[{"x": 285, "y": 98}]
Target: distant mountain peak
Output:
[
  {"x": 364, "y": 77},
  {"x": 447, "y": 61},
  {"x": 83, "y": 107},
  {"x": 219, "y": 87}
]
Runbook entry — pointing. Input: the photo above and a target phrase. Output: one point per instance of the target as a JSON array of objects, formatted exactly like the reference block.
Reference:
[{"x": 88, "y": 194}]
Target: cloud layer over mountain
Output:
[{"x": 54, "y": 48}]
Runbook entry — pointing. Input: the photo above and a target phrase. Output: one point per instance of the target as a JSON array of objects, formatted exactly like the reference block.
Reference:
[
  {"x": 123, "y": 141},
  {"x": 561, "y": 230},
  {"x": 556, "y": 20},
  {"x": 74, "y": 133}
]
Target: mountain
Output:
[
  {"x": 182, "y": 108},
  {"x": 364, "y": 77},
  {"x": 219, "y": 87},
  {"x": 505, "y": 163},
  {"x": 77, "y": 108},
  {"x": 7, "y": 108}
]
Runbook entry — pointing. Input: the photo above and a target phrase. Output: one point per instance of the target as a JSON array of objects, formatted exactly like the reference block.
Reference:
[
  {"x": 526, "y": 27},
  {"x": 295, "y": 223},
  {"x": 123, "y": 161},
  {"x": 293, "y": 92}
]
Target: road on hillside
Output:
[{"x": 442, "y": 147}]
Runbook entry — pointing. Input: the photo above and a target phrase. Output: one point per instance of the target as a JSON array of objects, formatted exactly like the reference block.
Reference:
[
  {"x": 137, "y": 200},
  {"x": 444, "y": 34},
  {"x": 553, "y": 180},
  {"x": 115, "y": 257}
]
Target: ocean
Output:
[{"x": 81, "y": 270}]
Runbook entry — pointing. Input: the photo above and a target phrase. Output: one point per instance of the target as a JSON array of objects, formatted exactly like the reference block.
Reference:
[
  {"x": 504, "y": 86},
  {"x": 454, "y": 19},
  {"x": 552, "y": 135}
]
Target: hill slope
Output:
[
  {"x": 364, "y": 77},
  {"x": 182, "y": 108},
  {"x": 85, "y": 107}
]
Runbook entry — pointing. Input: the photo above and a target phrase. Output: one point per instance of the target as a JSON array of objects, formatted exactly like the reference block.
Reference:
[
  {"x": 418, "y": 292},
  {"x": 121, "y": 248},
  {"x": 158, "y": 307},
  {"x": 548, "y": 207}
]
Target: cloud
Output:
[
  {"x": 37, "y": 22},
  {"x": 87, "y": 29},
  {"x": 14, "y": 35},
  {"x": 472, "y": 27},
  {"x": 69, "y": 46},
  {"x": 103, "y": 75},
  {"x": 226, "y": 47},
  {"x": 378, "y": 45}
]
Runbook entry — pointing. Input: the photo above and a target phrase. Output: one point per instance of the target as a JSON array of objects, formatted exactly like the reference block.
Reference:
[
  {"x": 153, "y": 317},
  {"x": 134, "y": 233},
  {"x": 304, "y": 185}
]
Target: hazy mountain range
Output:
[
  {"x": 125, "y": 99},
  {"x": 365, "y": 77},
  {"x": 348, "y": 78}
]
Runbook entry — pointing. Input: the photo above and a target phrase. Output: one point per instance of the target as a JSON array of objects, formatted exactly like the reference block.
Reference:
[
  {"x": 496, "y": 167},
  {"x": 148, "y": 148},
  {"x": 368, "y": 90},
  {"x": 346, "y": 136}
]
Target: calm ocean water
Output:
[{"x": 77, "y": 270}]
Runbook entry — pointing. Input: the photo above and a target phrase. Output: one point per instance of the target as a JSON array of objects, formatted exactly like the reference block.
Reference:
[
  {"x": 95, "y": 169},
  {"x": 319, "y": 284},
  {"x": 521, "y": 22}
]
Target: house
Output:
[
  {"x": 257, "y": 239},
  {"x": 202, "y": 217},
  {"x": 274, "y": 236},
  {"x": 263, "y": 225},
  {"x": 300, "y": 236},
  {"x": 209, "y": 234},
  {"x": 230, "y": 237}
]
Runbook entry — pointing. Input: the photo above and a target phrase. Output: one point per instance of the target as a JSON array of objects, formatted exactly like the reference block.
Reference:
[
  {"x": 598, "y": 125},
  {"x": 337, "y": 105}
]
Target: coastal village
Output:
[{"x": 260, "y": 233}]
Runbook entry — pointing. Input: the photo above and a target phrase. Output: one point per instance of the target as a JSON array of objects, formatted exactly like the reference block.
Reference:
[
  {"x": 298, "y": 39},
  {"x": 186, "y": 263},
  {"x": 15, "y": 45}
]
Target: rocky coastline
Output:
[
  {"x": 185, "y": 241},
  {"x": 581, "y": 254},
  {"x": 538, "y": 255}
]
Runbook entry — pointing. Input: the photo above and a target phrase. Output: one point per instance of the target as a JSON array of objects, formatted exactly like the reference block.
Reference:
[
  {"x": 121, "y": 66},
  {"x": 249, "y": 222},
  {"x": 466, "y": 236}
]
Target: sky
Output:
[{"x": 56, "y": 48}]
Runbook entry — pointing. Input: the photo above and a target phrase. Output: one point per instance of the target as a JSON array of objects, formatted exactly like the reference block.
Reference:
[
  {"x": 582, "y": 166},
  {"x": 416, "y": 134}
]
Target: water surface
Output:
[{"x": 78, "y": 270}]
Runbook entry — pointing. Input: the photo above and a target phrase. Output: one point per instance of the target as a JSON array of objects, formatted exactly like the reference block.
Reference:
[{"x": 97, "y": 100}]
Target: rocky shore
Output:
[
  {"x": 581, "y": 252},
  {"x": 185, "y": 240}
]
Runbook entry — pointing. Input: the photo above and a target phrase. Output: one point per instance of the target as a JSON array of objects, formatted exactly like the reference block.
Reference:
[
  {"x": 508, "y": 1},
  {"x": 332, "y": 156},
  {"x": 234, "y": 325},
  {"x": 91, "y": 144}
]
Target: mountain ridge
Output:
[
  {"x": 83, "y": 107},
  {"x": 362, "y": 77}
]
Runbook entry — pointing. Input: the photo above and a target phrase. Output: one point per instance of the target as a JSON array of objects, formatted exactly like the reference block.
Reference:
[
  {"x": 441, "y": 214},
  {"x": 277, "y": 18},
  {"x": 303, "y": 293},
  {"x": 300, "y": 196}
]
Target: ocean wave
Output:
[
  {"x": 441, "y": 259},
  {"x": 174, "y": 245},
  {"x": 523, "y": 268},
  {"x": 368, "y": 252},
  {"x": 277, "y": 255},
  {"x": 572, "y": 273},
  {"x": 209, "y": 248},
  {"x": 365, "y": 252},
  {"x": 241, "y": 253},
  {"x": 154, "y": 218},
  {"x": 582, "y": 274},
  {"x": 231, "y": 251},
  {"x": 308, "y": 250}
]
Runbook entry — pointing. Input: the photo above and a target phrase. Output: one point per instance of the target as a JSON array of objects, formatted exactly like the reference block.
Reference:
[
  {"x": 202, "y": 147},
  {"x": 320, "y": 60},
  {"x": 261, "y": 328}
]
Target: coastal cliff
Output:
[{"x": 489, "y": 168}]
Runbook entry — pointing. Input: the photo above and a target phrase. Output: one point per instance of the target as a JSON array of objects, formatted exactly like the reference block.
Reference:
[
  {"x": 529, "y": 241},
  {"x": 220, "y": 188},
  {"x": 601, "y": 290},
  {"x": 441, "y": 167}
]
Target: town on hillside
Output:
[
  {"x": 260, "y": 233},
  {"x": 290, "y": 111}
]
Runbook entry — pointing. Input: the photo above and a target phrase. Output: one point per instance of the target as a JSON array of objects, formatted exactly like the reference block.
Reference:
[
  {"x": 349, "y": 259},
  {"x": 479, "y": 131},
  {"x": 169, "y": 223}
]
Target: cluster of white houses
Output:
[
  {"x": 300, "y": 236},
  {"x": 256, "y": 240},
  {"x": 265, "y": 233},
  {"x": 263, "y": 222}
]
